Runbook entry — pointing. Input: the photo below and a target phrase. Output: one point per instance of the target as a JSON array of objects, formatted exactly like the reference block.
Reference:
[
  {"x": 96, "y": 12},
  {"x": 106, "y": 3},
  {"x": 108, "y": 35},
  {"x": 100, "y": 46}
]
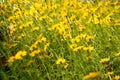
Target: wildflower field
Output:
[{"x": 59, "y": 40}]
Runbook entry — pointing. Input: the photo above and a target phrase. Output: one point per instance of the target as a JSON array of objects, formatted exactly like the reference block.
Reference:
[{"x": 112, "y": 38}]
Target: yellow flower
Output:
[
  {"x": 11, "y": 18},
  {"x": 21, "y": 27},
  {"x": 109, "y": 73},
  {"x": 78, "y": 48},
  {"x": 42, "y": 17},
  {"x": 81, "y": 36},
  {"x": 20, "y": 54},
  {"x": 72, "y": 18},
  {"x": 92, "y": 75},
  {"x": 82, "y": 28},
  {"x": 53, "y": 27},
  {"x": 43, "y": 39},
  {"x": 29, "y": 23},
  {"x": 60, "y": 61},
  {"x": 85, "y": 48},
  {"x": 90, "y": 48},
  {"x": 12, "y": 1},
  {"x": 61, "y": 31},
  {"x": 11, "y": 59},
  {"x": 67, "y": 35},
  {"x": 34, "y": 46},
  {"x": 116, "y": 77},
  {"x": 35, "y": 29},
  {"x": 117, "y": 22},
  {"x": 32, "y": 11},
  {"x": 85, "y": 15},
  {"x": 117, "y": 54},
  {"x": 23, "y": 53},
  {"x": 75, "y": 49},
  {"x": 2, "y": 22},
  {"x": 88, "y": 38},
  {"x": 77, "y": 39},
  {"x": 96, "y": 20},
  {"x": 21, "y": 36},
  {"x": 66, "y": 65},
  {"x": 100, "y": 3},
  {"x": 53, "y": 14},
  {"x": 104, "y": 60},
  {"x": 32, "y": 54},
  {"x": 72, "y": 46},
  {"x": 46, "y": 46},
  {"x": 73, "y": 40}
]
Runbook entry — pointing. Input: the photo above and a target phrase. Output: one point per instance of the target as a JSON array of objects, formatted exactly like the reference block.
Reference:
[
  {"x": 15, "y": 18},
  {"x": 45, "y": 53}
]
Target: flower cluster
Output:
[{"x": 17, "y": 56}]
